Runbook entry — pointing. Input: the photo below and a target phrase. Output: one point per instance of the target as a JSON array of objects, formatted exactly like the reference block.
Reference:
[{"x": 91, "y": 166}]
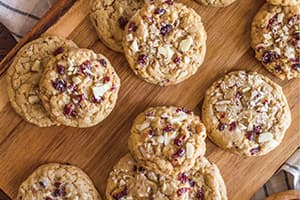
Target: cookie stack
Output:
[
  {"x": 166, "y": 160},
  {"x": 164, "y": 42},
  {"x": 51, "y": 82}
]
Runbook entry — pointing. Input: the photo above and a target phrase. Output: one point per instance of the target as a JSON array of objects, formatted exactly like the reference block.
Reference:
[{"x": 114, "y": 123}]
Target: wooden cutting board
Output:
[{"x": 23, "y": 147}]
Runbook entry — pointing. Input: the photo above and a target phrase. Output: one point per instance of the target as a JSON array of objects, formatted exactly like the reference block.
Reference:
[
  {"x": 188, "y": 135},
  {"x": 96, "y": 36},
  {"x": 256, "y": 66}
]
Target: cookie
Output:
[
  {"x": 217, "y": 3},
  {"x": 165, "y": 43},
  {"x": 167, "y": 139},
  {"x": 128, "y": 180},
  {"x": 23, "y": 77},
  {"x": 110, "y": 18},
  {"x": 246, "y": 113},
  {"x": 79, "y": 88},
  {"x": 284, "y": 2},
  {"x": 58, "y": 181},
  {"x": 276, "y": 39}
]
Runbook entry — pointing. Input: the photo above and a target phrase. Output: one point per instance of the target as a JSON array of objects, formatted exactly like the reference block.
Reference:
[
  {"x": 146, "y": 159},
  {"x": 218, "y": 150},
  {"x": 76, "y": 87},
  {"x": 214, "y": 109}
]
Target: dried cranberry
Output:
[
  {"x": 57, "y": 184},
  {"x": 221, "y": 127},
  {"x": 132, "y": 27},
  {"x": 48, "y": 198},
  {"x": 159, "y": 11},
  {"x": 250, "y": 135},
  {"x": 103, "y": 62},
  {"x": 122, "y": 22},
  {"x": 59, "y": 85},
  {"x": 142, "y": 59},
  {"x": 257, "y": 129},
  {"x": 151, "y": 133},
  {"x": 56, "y": 193},
  {"x": 268, "y": 57},
  {"x": 178, "y": 142},
  {"x": 58, "y": 51},
  {"x": 296, "y": 67},
  {"x": 69, "y": 111},
  {"x": 85, "y": 68},
  {"x": 192, "y": 182},
  {"x": 180, "y": 109},
  {"x": 179, "y": 153},
  {"x": 72, "y": 87},
  {"x": 142, "y": 169},
  {"x": 165, "y": 29},
  {"x": 42, "y": 184},
  {"x": 106, "y": 79},
  {"x": 169, "y": 2},
  {"x": 232, "y": 126},
  {"x": 181, "y": 191},
  {"x": 297, "y": 35},
  {"x": 238, "y": 95},
  {"x": 254, "y": 150},
  {"x": 278, "y": 68},
  {"x": 95, "y": 100},
  {"x": 60, "y": 69},
  {"x": 121, "y": 194},
  {"x": 168, "y": 128},
  {"x": 272, "y": 20},
  {"x": 176, "y": 60},
  {"x": 182, "y": 177},
  {"x": 200, "y": 195},
  {"x": 149, "y": 114}
]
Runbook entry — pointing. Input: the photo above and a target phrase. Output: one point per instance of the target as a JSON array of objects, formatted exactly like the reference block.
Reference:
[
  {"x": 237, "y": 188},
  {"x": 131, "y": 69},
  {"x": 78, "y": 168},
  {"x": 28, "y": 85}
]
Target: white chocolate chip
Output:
[
  {"x": 264, "y": 137},
  {"x": 33, "y": 99},
  {"x": 189, "y": 150},
  {"x": 247, "y": 89},
  {"x": 166, "y": 52},
  {"x": 185, "y": 44},
  {"x": 160, "y": 139},
  {"x": 76, "y": 80},
  {"x": 36, "y": 66},
  {"x": 142, "y": 126},
  {"x": 134, "y": 46},
  {"x": 99, "y": 91}
]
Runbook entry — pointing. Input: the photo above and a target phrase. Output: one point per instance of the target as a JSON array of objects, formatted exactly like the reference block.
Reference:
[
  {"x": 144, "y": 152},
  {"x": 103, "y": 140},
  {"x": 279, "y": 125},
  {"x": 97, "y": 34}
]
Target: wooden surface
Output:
[
  {"x": 287, "y": 195},
  {"x": 7, "y": 41},
  {"x": 23, "y": 147}
]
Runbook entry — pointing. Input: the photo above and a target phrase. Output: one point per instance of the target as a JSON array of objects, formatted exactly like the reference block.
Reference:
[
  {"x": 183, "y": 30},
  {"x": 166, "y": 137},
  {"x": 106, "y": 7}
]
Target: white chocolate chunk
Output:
[
  {"x": 186, "y": 44},
  {"x": 134, "y": 46},
  {"x": 264, "y": 137},
  {"x": 142, "y": 126},
  {"x": 76, "y": 80},
  {"x": 99, "y": 91},
  {"x": 189, "y": 150},
  {"x": 36, "y": 66}
]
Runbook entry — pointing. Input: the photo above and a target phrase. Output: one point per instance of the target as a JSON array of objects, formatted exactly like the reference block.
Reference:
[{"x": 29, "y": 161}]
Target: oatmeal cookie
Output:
[{"x": 217, "y": 3}]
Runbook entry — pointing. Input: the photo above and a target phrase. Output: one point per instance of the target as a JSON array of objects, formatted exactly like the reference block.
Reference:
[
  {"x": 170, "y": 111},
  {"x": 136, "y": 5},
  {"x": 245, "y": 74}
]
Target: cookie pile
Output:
[
  {"x": 51, "y": 82},
  {"x": 164, "y": 42},
  {"x": 276, "y": 37},
  {"x": 57, "y": 182},
  {"x": 166, "y": 160}
]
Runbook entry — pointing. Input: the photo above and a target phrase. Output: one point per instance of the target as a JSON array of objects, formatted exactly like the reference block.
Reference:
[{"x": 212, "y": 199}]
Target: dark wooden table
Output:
[{"x": 7, "y": 42}]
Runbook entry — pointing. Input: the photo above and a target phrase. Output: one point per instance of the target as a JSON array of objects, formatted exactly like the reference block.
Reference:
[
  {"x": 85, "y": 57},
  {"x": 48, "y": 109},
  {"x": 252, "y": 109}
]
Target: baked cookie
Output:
[
  {"x": 128, "y": 180},
  {"x": 276, "y": 39},
  {"x": 217, "y": 3},
  {"x": 165, "y": 43},
  {"x": 23, "y": 77},
  {"x": 284, "y": 2},
  {"x": 79, "y": 88},
  {"x": 59, "y": 182},
  {"x": 246, "y": 113},
  {"x": 110, "y": 18},
  {"x": 167, "y": 139}
]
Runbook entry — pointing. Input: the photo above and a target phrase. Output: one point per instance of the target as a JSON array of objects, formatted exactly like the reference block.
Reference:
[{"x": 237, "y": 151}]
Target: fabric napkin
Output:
[{"x": 19, "y": 16}]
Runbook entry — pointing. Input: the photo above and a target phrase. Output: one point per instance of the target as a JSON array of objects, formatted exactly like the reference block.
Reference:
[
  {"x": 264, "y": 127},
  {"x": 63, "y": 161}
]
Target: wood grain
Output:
[
  {"x": 7, "y": 41},
  {"x": 23, "y": 147}
]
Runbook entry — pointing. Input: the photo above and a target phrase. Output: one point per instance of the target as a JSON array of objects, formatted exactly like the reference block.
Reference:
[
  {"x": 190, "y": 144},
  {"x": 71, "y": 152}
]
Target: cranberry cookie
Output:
[
  {"x": 246, "y": 113},
  {"x": 165, "y": 43},
  {"x": 217, "y": 3},
  {"x": 110, "y": 18},
  {"x": 167, "y": 139},
  {"x": 79, "y": 88},
  {"x": 276, "y": 39},
  {"x": 128, "y": 180},
  {"x": 59, "y": 182},
  {"x": 24, "y": 74},
  {"x": 284, "y": 2}
]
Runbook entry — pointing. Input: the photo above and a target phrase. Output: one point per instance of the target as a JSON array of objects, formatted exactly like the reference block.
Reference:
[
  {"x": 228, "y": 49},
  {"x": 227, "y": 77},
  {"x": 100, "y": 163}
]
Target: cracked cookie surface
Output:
[
  {"x": 276, "y": 39},
  {"x": 165, "y": 43},
  {"x": 79, "y": 88},
  {"x": 167, "y": 139},
  {"x": 110, "y": 17},
  {"x": 217, "y": 3},
  {"x": 24, "y": 74},
  {"x": 128, "y": 180},
  {"x": 58, "y": 182},
  {"x": 246, "y": 113}
]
